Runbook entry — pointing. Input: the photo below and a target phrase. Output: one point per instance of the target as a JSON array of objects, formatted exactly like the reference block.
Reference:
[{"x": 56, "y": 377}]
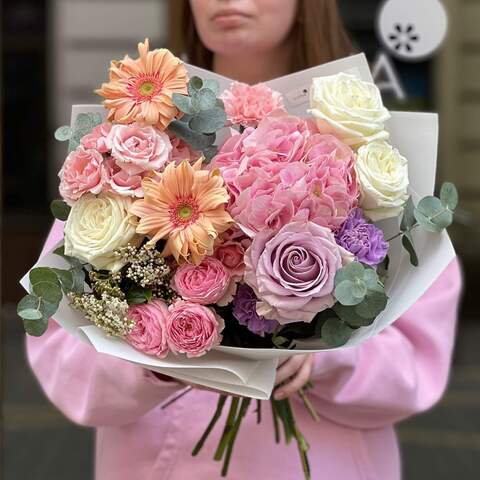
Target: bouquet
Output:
[{"x": 210, "y": 229}]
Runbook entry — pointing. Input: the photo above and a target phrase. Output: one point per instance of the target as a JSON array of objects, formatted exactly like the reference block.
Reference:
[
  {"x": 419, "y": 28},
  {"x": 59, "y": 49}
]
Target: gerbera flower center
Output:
[
  {"x": 184, "y": 212},
  {"x": 145, "y": 87}
]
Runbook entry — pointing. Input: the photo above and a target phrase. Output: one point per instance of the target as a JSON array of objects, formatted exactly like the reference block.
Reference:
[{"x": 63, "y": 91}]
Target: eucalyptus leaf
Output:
[
  {"x": 408, "y": 219},
  {"x": 196, "y": 140},
  {"x": 206, "y": 99},
  {"x": 60, "y": 210},
  {"x": 373, "y": 304},
  {"x": 432, "y": 215},
  {"x": 78, "y": 277},
  {"x": 209, "y": 153},
  {"x": 335, "y": 332},
  {"x": 370, "y": 277},
  {"x": 359, "y": 289},
  {"x": 344, "y": 293},
  {"x": 72, "y": 260},
  {"x": 36, "y": 328},
  {"x": 63, "y": 133},
  {"x": 49, "y": 291},
  {"x": 138, "y": 295},
  {"x": 409, "y": 246},
  {"x": 66, "y": 279},
  {"x": 29, "y": 304},
  {"x": 183, "y": 103},
  {"x": 209, "y": 121},
  {"x": 353, "y": 271},
  {"x": 43, "y": 274},
  {"x": 449, "y": 196},
  {"x": 212, "y": 85},
  {"x": 194, "y": 85},
  {"x": 350, "y": 316}
]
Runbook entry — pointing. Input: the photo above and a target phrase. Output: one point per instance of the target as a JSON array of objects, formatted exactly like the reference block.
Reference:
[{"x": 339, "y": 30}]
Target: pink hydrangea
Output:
[
  {"x": 97, "y": 138},
  {"x": 193, "y": 329},
  {"x": 206, "y": 284},
  {"x": 121, "y": 182},
  {"x": 83, "y": 171},
  {"x": 149, "y": 335},
  {"x": 138, "y": 149},
  {"x": 247, "y": 105}
]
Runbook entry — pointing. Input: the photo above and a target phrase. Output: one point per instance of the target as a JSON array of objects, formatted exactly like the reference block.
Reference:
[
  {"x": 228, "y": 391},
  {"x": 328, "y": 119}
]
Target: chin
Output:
[{"x": 233, "y": 43}]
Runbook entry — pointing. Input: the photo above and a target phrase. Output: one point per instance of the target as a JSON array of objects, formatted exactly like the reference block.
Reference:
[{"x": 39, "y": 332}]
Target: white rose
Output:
[
  {"x": 349, "y": 108},
  {"x": 383, "y": 177},
  {"x": 96, "y": 226}
]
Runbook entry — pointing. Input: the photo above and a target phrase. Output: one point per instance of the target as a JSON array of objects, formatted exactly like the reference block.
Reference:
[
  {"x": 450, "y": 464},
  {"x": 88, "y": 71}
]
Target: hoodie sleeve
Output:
[
  {"x": 88, "y": 387},
  {"x": 399, "y": 372}
]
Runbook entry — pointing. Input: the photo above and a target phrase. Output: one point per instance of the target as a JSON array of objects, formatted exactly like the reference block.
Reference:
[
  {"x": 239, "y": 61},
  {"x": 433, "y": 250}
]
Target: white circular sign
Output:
[{"x": 412, "y": 30}]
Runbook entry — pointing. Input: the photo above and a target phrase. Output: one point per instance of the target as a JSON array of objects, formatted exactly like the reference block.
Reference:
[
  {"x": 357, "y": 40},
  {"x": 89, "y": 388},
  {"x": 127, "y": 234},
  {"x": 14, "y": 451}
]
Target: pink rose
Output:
[
  {"x": 97, "y": 139},
  {"x": 149, "y": 335},
  {"x": 182, "y": 151},
  {"x": 193, "y": 329},
  {"x": 205, "y": 284},
  {"x": 292, "y": 272},
  {"x": 83, "y": 171},
  {"x": 138, "y": 149},
  {"x": 247, "y": 105},
  {"x": 121, "y": 182},
  {"x": 231, "y": 254}
]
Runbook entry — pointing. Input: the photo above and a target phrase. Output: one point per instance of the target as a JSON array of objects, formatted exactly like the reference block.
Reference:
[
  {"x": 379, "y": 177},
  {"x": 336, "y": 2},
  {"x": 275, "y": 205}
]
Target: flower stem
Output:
[
  {"x": 275, "y": 421},
  {"x": 221, "y": 402},
  {"x": 233, "y": 434},
  {"x": 308, "y": 405},
  {"x": 228, "y": 427},
  {"x": 259, "y": 411}
]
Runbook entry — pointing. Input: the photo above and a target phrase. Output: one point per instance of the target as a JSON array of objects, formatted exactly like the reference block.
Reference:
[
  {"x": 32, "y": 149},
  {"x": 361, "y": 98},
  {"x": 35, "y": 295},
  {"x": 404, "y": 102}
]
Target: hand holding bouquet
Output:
[{"x": 178, "y": 246}]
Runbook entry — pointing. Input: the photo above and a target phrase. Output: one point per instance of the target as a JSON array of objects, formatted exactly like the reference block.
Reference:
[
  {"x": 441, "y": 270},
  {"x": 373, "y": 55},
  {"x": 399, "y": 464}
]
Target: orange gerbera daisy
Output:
[
  {"x": 185, "y": 205},
  {"x": 141, "y": 90}
]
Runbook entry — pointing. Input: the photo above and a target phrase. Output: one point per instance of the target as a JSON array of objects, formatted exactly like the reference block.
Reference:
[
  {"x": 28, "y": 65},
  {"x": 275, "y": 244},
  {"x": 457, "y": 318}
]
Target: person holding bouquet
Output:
[{"x": 359, "y": 393}]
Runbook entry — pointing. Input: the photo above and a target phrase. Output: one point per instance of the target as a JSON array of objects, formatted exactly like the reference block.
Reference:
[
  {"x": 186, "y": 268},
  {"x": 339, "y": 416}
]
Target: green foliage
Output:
[
  {"x": 64, "y": 133},
  {"x": 408, "y": 245},
  {"x": 336, "y": 332},
  {"x": 60, "y": 210},
  {"x": 204, "y": 115},
  {"x": 432, "y": 215},
  {"x": 138, "y": 295},
  {"x": 449, "y": 196},
  {"x": 84, "y": 124}
]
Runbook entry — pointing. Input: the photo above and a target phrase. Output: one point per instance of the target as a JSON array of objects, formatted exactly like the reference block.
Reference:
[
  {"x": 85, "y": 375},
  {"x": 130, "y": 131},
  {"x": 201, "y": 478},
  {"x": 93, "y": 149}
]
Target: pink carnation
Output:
[
  {"x": 205, "y": 284},
  {"x": 138, "y": 149},
  {"x": 97, "y": 139},
  {"x": 149, "y": 333},
  {"x": 83, "y": 171},
  {"x": 248, "y": 105},
  {"x": 121, "y": 182},
  {"x": 193, "y": 329}
]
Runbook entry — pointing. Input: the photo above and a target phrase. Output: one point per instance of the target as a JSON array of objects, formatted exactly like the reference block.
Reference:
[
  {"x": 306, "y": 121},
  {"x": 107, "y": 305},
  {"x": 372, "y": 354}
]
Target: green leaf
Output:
[
  {"x": 344, "y": 293},
  {"x": 279, "y": 341},
  {"x": 43, "y": 274},
  {"x": 78, "y": 277},
  {"x": 432, "y": 215},
  {"x": 359, "y": 289},
  {"x": 72, "y": 260},
  {"x": 63, "y": 133},
  {"x": 382, "y": 269},
  {"x": 408, "y": 245},
  {"x": 408, "y": 219},
  {"x": 370, "y": 277},
  {"x": 373, "y": 304},
  {"x": 138, "y": 295},
  {"x": 350, "y": 316},
  {"x": 209, "y": 121},
  {"x": 353, "y": 271},
  {"x": 60, "y": 210},
  {"x": 195, "y": 84},
  {"x": 449, "y": 196},
  {"x": 196, "y": 140},
  {"x": 66, "y": 279},
  {"x": 84, "y": 121},
  {"x": 48, "y": 291},
  {"x": 212, "y": 85},
  {"x": 48, "y": 309},
  {"x": 335, "y": 332},
  {"x": 209, "y": 153},
  {"x": 36, "y": 328},
  {"x": 29, "y": 307},
  {"x": 183, "y": 103},
  {"x": 205, "y": 99}
]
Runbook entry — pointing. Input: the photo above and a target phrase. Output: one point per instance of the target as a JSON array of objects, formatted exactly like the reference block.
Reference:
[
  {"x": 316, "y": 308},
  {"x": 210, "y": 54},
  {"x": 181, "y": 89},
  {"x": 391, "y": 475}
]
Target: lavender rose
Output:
[
  {"x": 292, "y": 272},
  {"x": 363, "y": 239},
  {"x": 244, "y": 310}
]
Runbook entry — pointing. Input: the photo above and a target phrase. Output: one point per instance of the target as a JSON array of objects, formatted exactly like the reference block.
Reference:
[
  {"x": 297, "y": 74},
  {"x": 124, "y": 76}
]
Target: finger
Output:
[
  {"x": 289, "y": 368},
  {"x": 300, "y": 379}
]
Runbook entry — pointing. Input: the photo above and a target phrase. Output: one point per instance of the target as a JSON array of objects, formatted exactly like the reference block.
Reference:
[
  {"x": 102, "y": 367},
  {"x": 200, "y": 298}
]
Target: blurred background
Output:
[{"x": 54, "y": 52}]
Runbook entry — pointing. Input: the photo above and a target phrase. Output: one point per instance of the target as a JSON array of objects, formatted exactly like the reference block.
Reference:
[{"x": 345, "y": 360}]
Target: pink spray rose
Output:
[
  {"x": 205, "y": 284},
  {"x": 83, "y": 171},
  {"x": 193, "y": 329},
  {"x": 292, "y": 272},
  {"x": 138, "y": 149},
  {"x": 247, "y": 105},
  {"x": 97, "y": 138},
  {"x": 121, "y": 182},
  {"x": 149, "y": 333},
  {"x": 231, "y": 254}
]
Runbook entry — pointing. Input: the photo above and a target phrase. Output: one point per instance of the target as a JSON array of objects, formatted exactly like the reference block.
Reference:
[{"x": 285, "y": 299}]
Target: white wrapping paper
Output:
[{"x": 251, "y": 372}]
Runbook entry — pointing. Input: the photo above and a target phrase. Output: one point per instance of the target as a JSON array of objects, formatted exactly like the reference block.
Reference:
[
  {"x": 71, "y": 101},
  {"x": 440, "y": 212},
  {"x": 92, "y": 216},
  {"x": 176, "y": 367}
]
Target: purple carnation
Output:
[
  {"x": 244, "y": 310},
  {"x": 363, "y": 239}
]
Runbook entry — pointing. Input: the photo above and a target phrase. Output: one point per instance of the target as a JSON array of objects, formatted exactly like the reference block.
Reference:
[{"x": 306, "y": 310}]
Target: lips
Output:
[{"x": 229, "y": 18}]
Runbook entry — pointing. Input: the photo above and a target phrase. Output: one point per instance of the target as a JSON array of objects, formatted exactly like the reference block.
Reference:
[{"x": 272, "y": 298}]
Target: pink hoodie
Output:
[{"x": 360, "y": 394}]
